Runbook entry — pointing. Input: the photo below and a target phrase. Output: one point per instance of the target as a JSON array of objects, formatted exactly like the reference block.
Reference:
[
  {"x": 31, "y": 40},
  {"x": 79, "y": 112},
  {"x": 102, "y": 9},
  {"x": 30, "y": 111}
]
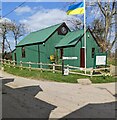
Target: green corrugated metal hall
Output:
[{"x": 51, "y": 44}]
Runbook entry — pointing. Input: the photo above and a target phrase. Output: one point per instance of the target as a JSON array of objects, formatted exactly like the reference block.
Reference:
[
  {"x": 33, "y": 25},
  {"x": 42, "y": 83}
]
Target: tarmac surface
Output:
[{"x": 27, "y": 98}]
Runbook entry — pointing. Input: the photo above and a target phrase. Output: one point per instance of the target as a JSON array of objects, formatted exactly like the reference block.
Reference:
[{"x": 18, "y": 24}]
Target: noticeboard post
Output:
[
  {"x": 100, "y": 59},
  {"x": 66, "y": 71}
]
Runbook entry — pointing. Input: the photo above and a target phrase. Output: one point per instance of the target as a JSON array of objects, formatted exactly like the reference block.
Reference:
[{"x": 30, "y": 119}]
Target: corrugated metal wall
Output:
[
  {"x": 49, "y": 48},
  {"x": 39, "y": 52},
  {"x": 42, "y": 52},
  {"x": 75, "y": 52},
  {"x": 31, "y": 54}
]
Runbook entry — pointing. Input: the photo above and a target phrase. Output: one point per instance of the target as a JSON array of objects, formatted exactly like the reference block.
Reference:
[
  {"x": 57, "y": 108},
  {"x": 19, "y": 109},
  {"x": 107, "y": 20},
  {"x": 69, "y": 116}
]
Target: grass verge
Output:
[
  {"x": 111, "y": 61},
  {"x": 46, "y": 75}
]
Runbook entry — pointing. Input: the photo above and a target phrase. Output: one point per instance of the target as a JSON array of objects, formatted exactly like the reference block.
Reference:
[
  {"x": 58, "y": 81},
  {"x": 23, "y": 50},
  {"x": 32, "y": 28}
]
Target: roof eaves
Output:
[
  {"x": 94, "y": 37},
  {"x": 13, "y": 50},
  {"x": 66, "y": 46},
  {"x": 88, "y": 29},
  {"x": 30, "y": 44}
]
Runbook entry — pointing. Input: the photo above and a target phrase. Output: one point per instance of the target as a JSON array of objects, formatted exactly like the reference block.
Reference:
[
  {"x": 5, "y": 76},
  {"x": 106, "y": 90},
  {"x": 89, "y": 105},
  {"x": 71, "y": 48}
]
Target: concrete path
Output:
[{"x": 57, "y": 100}]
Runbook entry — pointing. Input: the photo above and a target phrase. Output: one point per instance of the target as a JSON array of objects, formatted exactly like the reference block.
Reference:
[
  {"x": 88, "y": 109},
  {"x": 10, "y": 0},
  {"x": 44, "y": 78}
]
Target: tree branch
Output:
[
  {"x": 113, "y": 8},
  {"x": 115, "y": 39},
  {"x": 103, "y": 11},
  {"x": 113, "y": 23},
  {"x": 9, "y": 45}
]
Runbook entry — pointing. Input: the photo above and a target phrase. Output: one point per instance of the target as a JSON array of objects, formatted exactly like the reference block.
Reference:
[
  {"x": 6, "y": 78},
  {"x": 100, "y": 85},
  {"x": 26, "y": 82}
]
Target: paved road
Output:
[{"x": 27, "y": 98}]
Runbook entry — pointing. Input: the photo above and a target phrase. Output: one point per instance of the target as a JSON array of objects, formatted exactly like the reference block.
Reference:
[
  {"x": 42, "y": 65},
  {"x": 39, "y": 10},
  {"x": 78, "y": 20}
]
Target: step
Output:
[{"x": 84, "y": 81}]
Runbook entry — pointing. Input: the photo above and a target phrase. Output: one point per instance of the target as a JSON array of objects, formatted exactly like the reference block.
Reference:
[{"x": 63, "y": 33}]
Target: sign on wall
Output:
[
  {"x": 100, "y": 60},
  {"x": 70, "y": 58}
]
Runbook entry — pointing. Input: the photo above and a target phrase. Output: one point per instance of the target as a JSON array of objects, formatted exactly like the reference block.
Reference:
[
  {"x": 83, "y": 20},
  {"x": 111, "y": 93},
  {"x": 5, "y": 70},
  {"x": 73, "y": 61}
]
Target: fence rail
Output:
[{"x": 52, "y": 67}]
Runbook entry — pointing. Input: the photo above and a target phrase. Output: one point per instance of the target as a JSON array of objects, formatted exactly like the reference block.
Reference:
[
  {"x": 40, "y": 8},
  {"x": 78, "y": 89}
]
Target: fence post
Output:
[
  {"x": 41, "y": 67},
  {"x": 91, "y": 72},
  {"x": 68, "y": 68},
  {"x": 9, "y": 63},
  {"x": 29, "y": 66},
  {"x": 53, "y": 67},
  {"x": 14, "y": 63},
  {"x": 21, "y": 64},
  {"x": 2, "y": 62}
]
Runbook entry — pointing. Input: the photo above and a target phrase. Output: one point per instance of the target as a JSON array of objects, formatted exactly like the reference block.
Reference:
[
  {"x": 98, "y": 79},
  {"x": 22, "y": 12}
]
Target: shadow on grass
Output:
[{"x": 21, "y": 102}]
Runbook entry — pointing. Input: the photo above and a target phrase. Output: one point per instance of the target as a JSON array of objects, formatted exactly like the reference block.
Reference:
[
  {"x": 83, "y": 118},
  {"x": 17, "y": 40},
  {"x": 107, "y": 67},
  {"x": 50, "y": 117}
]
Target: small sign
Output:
[
  {"x": 70, "y": 58},
  {"x": 100, "y": 60},
  {"x": 66, "y": 71}
]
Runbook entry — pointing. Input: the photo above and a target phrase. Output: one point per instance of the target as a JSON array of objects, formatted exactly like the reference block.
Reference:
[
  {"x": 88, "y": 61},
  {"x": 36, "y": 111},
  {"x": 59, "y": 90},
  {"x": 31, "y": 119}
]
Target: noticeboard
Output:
[{"x": 100, "y": 59}]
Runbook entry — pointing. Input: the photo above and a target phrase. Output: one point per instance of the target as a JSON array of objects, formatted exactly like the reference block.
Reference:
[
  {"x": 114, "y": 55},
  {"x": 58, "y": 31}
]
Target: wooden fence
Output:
[{"x": 54, "y": 68}]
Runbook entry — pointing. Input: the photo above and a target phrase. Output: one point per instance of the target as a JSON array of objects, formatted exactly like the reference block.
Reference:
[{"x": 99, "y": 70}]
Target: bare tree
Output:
[
  {"x": 76, "y": 23},
  {"x": 7, "y": 27},
  {"x": 108, "y": 10},
  {"x": 18, "y": 30},
  {"x": 4, "y": 28},
  {"x": 9, "y": 46},
  {"x": 98, "y": 29}
]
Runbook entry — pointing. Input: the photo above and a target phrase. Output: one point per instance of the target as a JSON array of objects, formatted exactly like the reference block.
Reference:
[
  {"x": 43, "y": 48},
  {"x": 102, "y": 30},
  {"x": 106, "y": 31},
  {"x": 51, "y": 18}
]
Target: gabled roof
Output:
[
  {"x": 72, "y": 38},
  {"x": 39, "y": 36}
]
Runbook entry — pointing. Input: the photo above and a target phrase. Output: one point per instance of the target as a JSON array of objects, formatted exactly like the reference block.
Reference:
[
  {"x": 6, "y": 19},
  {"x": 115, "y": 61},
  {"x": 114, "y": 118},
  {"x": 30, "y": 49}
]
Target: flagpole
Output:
[{"x": 85, "y": 33}]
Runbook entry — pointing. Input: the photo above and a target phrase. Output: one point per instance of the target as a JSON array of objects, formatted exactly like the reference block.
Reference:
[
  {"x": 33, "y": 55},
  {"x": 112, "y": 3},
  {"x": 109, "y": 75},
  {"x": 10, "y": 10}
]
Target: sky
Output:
[{"x": 38, "y": 15}]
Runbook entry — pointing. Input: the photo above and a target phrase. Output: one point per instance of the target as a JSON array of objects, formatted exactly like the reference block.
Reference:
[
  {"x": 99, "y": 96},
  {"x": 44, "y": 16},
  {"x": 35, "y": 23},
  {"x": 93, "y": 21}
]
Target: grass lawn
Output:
[{"x": 46, "y": 75}]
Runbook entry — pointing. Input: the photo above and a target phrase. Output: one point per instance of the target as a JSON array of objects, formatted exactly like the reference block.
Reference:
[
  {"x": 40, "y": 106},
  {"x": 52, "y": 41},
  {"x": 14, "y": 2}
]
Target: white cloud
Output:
[
  {"x": 5, "y": 20},
  {"x": 22, "y": 10},
  {"x": 47, "y": 17}
]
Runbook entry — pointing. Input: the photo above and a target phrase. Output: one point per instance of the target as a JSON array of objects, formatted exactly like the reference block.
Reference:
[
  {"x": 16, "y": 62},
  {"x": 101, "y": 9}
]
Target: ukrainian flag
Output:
[{"x": 76, "y": 9}]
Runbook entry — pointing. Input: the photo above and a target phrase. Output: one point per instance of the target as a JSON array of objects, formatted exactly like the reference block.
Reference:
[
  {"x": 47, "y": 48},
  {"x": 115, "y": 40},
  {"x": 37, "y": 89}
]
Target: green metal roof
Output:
[
  {"x": 70, "y": 39},
  {"x": 38, "y": 36}
]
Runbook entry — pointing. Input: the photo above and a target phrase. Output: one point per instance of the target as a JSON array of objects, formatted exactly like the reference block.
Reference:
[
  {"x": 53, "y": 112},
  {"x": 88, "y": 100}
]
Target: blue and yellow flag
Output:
[{"x": 76, "y": 9}]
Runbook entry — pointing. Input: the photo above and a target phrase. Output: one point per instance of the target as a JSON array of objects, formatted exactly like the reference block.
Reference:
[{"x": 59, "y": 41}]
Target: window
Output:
[
  {"x": 23, "y": 52},
  {"x": 93, "y": 52},
  {"x": 61, "y": 53},
  {"x": 62, "y": 31}
]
